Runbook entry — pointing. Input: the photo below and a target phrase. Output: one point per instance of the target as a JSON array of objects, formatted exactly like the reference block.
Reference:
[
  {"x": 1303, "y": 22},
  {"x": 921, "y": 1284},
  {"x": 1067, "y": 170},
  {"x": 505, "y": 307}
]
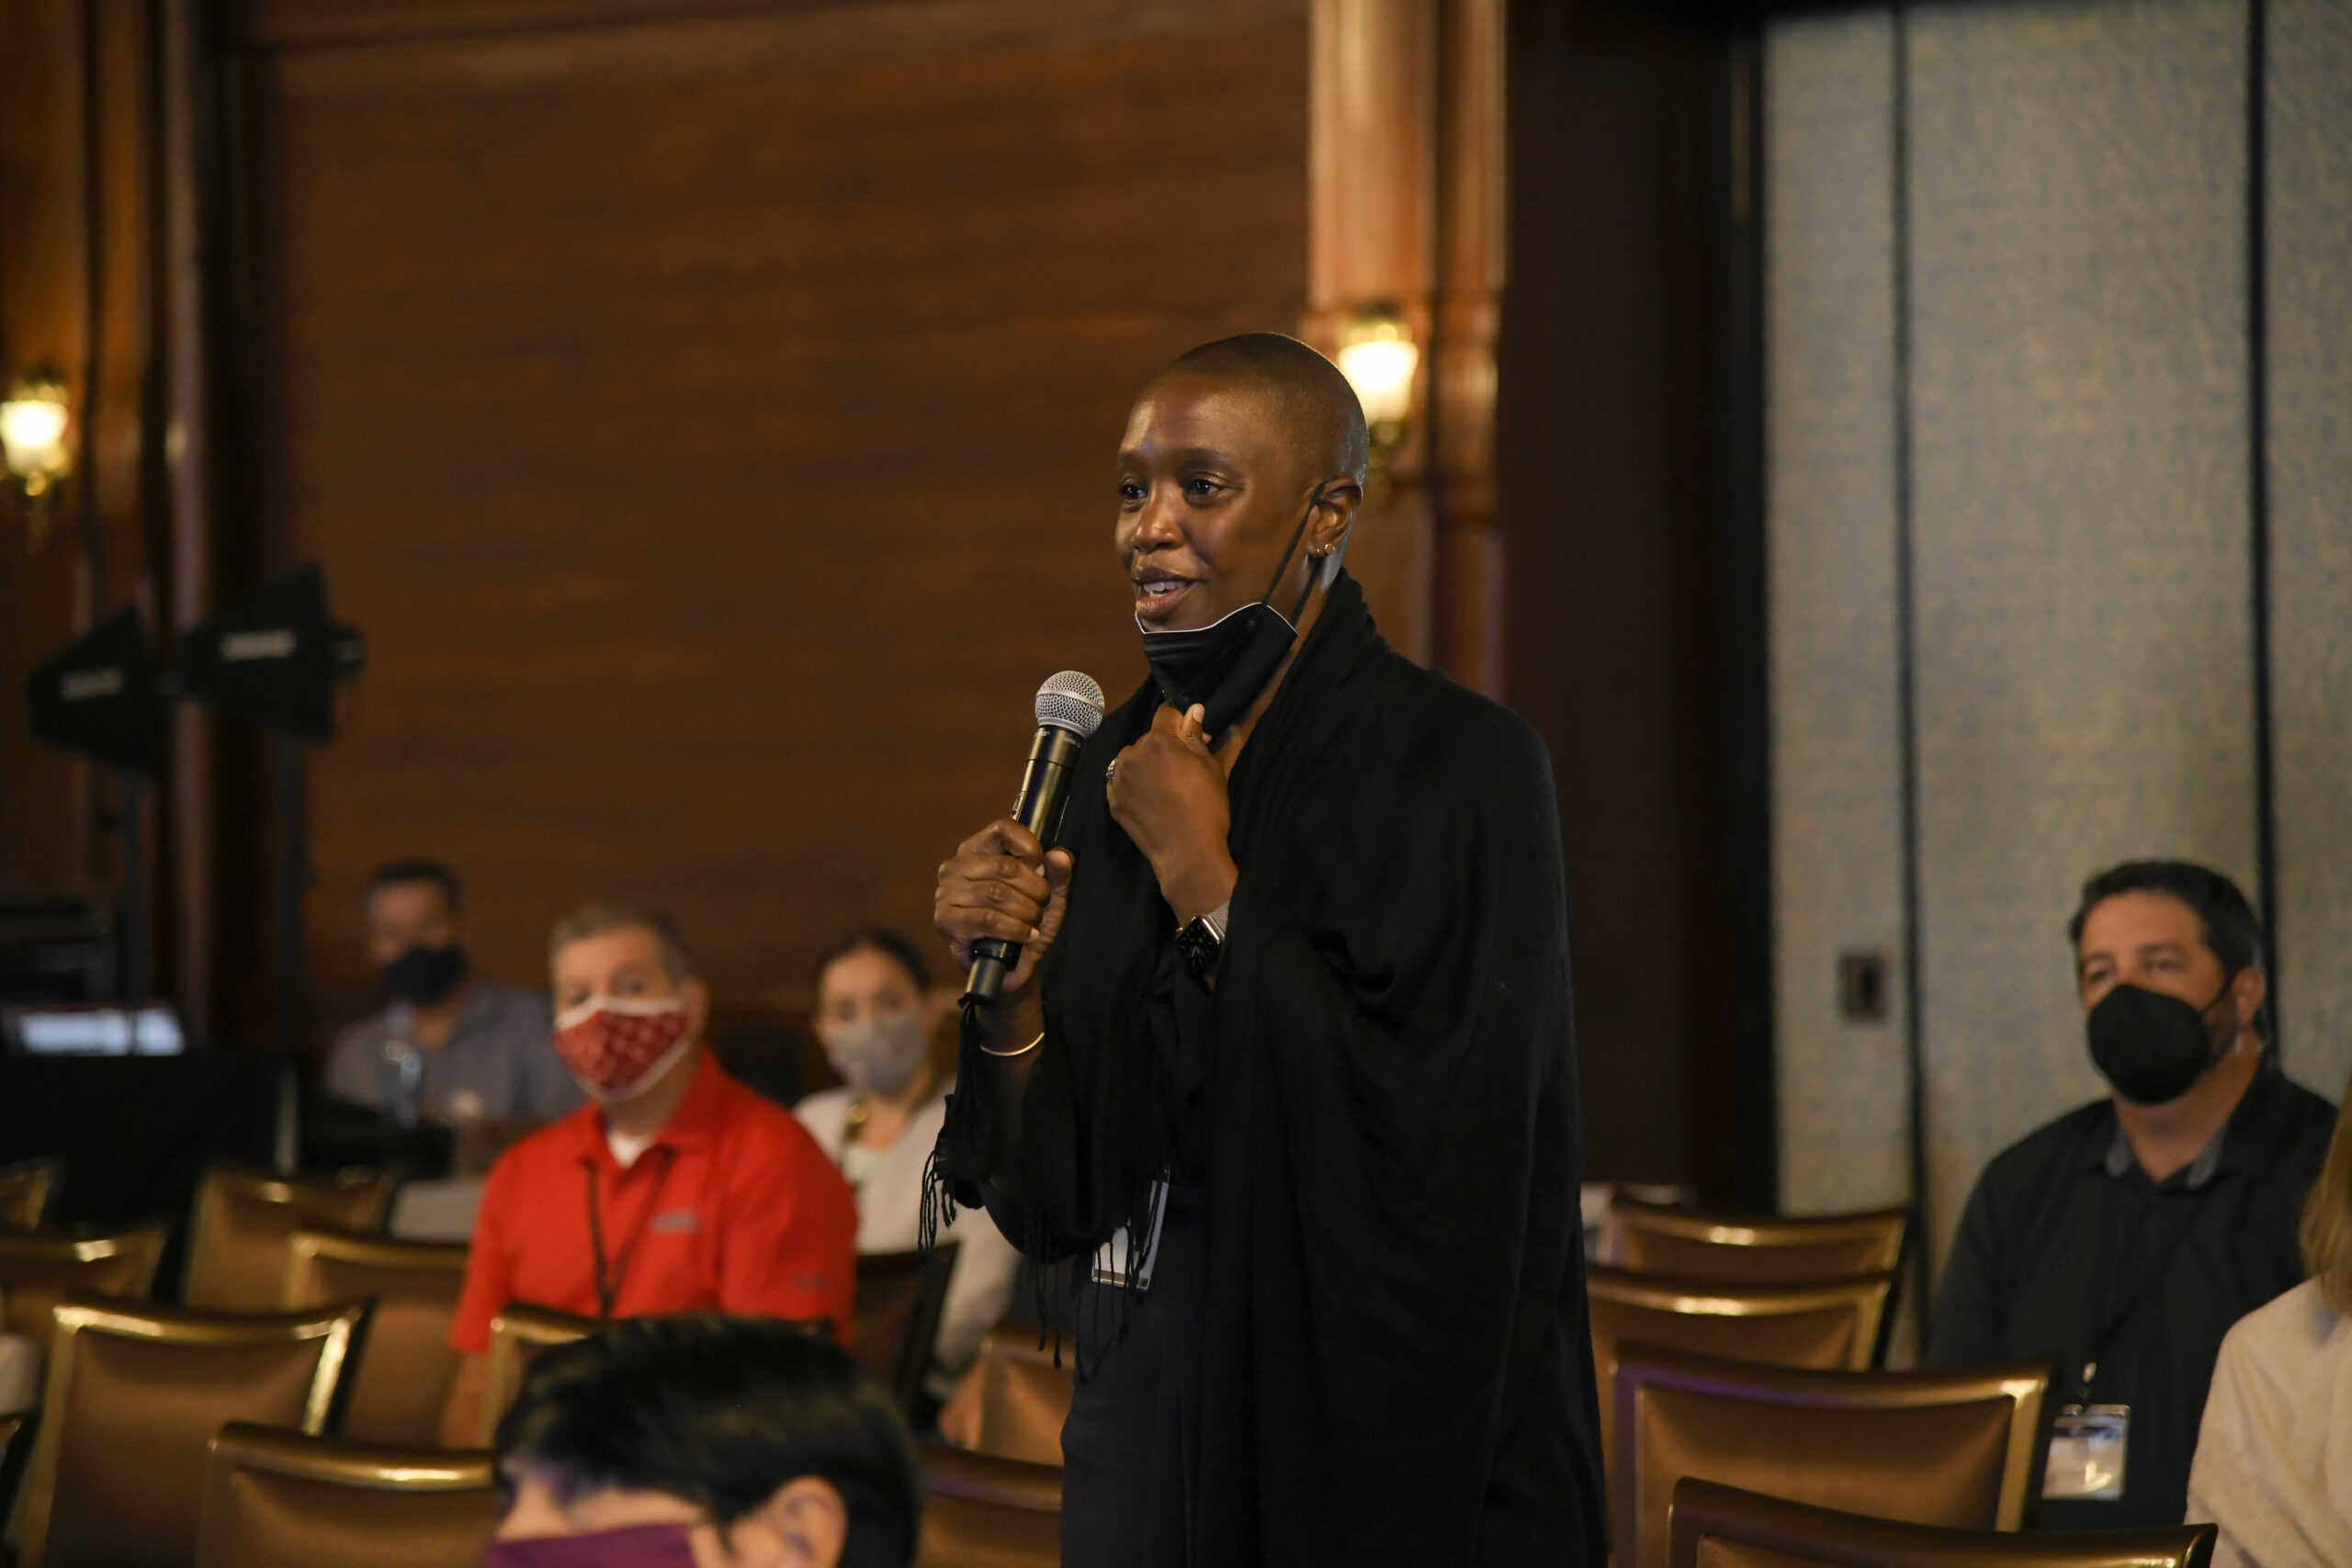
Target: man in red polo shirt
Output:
[{"x": 674, "y": 1189}]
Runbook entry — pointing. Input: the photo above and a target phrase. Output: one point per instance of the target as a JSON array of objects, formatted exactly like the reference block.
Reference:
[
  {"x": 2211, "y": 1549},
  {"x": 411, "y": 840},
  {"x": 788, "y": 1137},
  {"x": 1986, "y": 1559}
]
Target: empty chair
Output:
[
  {"x": 899, "y": 1297},
  {"x": 1835, "y": 1326},
  {"x": 1721, "y": 1527},
  {"x": 1693, "y": 1244},
  {"x": 38, "y": 1271},
  {"x": 236, "y": 1257},
  {"x": 985, "y": 1512},
  {"x": 136, "y": 1392},
  {"x": 406, "y": 1366},
  {"x": 1013, "y": 1401},
  {"x": 516, "y": 1335},
  {"x": 25, "y": 1188},
  {"x": 1959, "y": 1448},
  {"x": 277, "y": 1499}
]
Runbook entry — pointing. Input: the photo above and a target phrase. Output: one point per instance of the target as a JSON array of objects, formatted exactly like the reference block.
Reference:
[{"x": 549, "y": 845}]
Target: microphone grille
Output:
[{"x": 1070, "y": 701}]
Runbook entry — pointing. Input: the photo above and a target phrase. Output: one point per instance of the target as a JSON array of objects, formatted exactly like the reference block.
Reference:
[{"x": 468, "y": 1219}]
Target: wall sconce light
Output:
[
  {"x": 1378, "y": 356},
  {"x": 32, "y": 431}
]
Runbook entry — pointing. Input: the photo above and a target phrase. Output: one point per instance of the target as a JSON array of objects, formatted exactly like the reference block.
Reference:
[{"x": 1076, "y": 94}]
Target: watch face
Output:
[{"x": 1198, "y": 946}]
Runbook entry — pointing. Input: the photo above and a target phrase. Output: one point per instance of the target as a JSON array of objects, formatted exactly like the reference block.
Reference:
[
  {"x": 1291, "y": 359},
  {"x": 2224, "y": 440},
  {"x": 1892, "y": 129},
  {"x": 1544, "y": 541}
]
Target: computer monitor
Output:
[{"x": 112, "y": 1028}]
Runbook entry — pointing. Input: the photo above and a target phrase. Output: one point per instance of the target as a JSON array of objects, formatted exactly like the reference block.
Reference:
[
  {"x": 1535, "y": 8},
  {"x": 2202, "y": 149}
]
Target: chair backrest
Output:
[
  {"x": 516, "y": 1335},
  {"x": 136, "y": 1392},
  {"x": 277, "y": 1499},
  {"x": 985, "y": 1511},
  {"x": 1013, "y": 1401},
  {"x": 1961, "y": 1447},
  {"x": 16, "y": 1433},
  {"x": 38, "y": 1271},
  {"x": 899, "y": 1297},
  {"x": 25, "y": 1188},
  {"x": 406, "y": 1368},
  {"x": 1721, "y": 1527},
  {"x": 1752, "y": 1249},
  {"x": 236, "y": 1256},
  {"x": 1832, "y": 1326}
]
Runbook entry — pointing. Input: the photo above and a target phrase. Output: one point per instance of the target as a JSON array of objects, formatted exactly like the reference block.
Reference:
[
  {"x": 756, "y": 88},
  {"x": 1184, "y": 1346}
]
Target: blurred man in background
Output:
[
  {"x": 2124, "y": 1238},
  {"x": 674, "y": 1190},
  {"x": 449, "y": 1048}
]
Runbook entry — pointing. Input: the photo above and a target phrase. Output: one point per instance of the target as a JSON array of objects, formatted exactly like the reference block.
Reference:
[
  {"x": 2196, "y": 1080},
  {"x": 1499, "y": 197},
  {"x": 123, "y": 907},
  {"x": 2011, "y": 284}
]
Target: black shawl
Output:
[{"x": 1381, "y": 1093}]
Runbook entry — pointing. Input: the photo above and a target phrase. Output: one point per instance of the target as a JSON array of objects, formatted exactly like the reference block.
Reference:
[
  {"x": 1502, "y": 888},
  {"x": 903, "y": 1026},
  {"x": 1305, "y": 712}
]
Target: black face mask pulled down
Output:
[
  {"x": 424, "y": 975},
  {"x": 1224, "y": 666},
  {"x": 2153, "y": 1048}
]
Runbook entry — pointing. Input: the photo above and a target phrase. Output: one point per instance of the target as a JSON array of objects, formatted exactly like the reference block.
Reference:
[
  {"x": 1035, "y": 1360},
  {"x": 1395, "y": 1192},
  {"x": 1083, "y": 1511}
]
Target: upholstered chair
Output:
[
  {"x": 1959, "y": 1448},
  {"x": 1721, "y": 1527},
  {"x": 134, "y": 1394},
  {"x": 278, "y": 1499}
]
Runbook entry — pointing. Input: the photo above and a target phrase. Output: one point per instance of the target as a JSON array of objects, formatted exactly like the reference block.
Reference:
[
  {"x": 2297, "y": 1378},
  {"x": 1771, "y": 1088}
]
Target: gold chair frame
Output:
[
  {"x": 514, "y": 1334},
  {"x": 1704, "y": 1510},
  {"x": 143, "y": 1244},
  {"x": 2027, "y": 1386},
  {"x": 1890, "y": 1229},
  {"x": 314, "y": 1242},
  {"x": 1014, "y": 1483},
  {"x": 243, "y": 1446},
  {"x": 342, "y": 1328},
  {"x": 1868, "y": 1296},
  {"x": 26, "y": 1188}
]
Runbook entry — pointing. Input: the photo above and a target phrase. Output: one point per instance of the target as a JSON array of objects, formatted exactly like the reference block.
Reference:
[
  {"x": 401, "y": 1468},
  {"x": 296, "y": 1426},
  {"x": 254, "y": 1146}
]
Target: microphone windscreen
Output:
[{"x": 1071, "y": 701}]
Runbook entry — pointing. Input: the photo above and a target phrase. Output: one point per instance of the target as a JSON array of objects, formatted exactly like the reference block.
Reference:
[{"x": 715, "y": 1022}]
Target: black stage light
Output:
[
  {"x": 273, "y": 658},
  {"x": 102, "y": 695}
]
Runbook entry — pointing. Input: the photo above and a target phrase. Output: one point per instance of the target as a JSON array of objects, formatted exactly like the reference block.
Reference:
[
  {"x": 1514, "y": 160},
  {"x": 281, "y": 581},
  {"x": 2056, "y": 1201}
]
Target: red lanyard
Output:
[{"x": 608, "y": 1284}]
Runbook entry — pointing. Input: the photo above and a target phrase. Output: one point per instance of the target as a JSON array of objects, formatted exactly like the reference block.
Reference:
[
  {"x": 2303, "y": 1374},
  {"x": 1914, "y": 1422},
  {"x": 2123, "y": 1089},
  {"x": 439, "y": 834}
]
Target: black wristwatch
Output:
[{"x": 1201, "y": 941}]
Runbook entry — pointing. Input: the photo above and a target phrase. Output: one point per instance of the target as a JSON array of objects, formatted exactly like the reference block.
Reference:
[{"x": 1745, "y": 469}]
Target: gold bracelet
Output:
[{"x": 1002, "y": 1056}]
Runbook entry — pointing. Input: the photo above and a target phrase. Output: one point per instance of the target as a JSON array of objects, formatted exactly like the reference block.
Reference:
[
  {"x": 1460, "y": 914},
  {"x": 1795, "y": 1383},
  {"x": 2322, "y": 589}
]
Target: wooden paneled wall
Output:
[{"x": 707, "y": 412}]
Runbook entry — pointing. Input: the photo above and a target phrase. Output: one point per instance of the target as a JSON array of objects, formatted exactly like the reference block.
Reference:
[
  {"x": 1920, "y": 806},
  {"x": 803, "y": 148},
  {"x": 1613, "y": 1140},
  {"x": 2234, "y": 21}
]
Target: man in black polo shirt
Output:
[{"x": 2124, "y": 1238}]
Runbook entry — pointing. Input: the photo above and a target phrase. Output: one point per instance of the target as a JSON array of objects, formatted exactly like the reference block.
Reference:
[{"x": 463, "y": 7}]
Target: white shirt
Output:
[
  {"x": 2274, "y": 1456},
  {"x": 890, "y": 1212}
]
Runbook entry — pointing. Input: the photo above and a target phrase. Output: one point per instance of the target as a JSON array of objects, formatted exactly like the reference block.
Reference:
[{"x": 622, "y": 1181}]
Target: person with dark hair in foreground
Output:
[
  {"x": 1288, "y": 1054},
  {"x": 703, "y": 1441},
  {"x": 2126, "y": 1237}
]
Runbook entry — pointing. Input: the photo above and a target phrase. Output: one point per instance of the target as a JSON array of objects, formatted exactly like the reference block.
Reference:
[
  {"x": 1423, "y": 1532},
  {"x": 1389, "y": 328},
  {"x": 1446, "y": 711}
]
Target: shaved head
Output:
[{"x": 1324, "y": 421}]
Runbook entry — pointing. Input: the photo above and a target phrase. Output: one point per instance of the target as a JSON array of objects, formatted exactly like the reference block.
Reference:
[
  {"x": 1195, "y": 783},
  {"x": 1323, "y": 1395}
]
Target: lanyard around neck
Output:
[{"x": 609, "y": 1281}]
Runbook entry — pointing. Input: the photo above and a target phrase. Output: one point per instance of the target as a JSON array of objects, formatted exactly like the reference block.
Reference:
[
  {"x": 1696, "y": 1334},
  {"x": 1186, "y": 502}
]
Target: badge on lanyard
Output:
[
  {"x": 2087, "y": 1444},
  {"x": 1110, "y": 1263}
]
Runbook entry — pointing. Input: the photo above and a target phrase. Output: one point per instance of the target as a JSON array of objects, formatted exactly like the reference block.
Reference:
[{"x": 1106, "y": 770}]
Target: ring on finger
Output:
[{"x": 1110, "y": 769}]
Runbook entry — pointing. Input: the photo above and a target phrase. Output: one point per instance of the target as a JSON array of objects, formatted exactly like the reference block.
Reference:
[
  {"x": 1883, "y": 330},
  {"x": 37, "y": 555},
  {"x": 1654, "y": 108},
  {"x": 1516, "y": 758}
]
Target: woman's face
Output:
[
  {"x": 1211, "y": 493},
  {"x": 805, "y": 1525},
  {"x": 863, "y": 983}
]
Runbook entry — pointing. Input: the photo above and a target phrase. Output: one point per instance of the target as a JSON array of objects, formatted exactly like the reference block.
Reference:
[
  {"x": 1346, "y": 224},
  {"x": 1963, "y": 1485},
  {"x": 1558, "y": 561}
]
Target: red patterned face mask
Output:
[{"x": 618, "y": 1046}]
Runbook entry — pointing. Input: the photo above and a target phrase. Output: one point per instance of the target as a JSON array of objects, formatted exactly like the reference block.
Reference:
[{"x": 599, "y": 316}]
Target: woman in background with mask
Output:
[{"x": 876, "y": 1016}]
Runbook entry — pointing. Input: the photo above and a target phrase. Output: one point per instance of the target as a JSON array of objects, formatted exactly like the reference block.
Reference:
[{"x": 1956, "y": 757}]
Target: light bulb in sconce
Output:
[
  {"x": 33, "y": 423},
  {"x": 32, "y": 429},
  {"x": 1379, "y": 358}
]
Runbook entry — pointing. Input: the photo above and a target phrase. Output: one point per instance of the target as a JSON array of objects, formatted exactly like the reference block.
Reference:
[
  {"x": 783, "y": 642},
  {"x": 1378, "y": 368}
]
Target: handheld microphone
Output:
[{"x": 1069, "y": 708}]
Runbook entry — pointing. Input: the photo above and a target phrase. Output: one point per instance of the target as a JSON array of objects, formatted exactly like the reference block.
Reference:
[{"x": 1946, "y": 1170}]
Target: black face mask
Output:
[
  {"x": 1225, "y": 665},
  {"x": 2152, "y": 1047},
  {"x": 424, "y": 975}
]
